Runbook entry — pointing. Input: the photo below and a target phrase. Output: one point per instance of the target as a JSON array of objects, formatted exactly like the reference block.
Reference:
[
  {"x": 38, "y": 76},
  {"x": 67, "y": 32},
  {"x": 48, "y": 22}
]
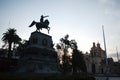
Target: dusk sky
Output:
[{"x": 81, "y": 19}]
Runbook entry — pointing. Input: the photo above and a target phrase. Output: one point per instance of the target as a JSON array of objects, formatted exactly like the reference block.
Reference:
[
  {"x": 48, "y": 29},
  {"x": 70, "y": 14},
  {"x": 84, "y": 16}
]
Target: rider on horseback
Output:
[
  {"x": 41, "y": 24},
  {"x": 42, "y": 18}
]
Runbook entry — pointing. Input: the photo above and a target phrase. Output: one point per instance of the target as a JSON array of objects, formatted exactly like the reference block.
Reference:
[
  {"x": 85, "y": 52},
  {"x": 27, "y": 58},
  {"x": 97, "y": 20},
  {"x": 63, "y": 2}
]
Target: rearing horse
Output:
[{"x": 40, "y": 25}]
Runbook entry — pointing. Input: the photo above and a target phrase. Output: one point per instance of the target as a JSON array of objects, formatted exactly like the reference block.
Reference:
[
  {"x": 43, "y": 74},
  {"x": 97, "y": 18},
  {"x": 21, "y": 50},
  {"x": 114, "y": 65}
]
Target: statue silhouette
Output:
[
  {"x": 42, "y": 18},
  {"x": 41, "y": 24}
]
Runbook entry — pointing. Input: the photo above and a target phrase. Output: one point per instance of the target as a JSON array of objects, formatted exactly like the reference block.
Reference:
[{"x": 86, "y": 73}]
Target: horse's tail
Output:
[{"x": 33, "y": 23}]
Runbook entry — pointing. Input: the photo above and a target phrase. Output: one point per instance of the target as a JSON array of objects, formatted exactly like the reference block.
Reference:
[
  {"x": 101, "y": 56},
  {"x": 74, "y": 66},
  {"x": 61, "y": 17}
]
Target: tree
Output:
[
  {"x": 17, "y": 40},
  {"x": 64, "y": 45},
  {"x": 22, "y": 47},
  {"x": 78, "y": 62},
  {"x": 10, "y": 37}
]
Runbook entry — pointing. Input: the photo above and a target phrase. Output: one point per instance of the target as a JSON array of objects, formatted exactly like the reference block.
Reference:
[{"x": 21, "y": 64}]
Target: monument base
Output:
[{"x": 39, "y": 57}]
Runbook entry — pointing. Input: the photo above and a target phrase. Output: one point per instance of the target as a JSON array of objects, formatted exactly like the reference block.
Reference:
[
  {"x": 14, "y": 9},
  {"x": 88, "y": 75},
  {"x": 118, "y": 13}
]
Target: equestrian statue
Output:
[{"x": 41, "y": 24}]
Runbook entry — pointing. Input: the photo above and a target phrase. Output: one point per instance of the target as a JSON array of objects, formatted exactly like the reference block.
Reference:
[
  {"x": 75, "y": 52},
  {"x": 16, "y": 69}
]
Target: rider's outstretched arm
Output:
[{"x": 46, "y": 16}]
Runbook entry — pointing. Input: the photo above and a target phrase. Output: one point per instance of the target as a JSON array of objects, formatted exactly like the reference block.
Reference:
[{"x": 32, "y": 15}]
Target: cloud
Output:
[
  {"x": 113, "y": 12},
  {"x": 107, "y": 1},
  {"x": 111, "y": 7}
]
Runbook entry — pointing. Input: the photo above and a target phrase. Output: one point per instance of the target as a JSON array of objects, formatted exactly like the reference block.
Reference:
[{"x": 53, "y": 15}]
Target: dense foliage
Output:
[
  {"x": 76, "y": 62},
  {"x": 10, "y": 37}
]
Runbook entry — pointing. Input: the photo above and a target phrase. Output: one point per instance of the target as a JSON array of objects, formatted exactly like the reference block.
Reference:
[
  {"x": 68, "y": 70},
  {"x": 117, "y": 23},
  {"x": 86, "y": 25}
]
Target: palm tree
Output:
[
  {"x": 17, "y": 40},
  {"x": 10, "y": 37}
]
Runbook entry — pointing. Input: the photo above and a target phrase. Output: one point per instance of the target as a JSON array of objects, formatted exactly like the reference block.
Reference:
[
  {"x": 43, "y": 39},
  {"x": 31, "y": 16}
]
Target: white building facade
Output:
[{"x": 94, "y": 59}]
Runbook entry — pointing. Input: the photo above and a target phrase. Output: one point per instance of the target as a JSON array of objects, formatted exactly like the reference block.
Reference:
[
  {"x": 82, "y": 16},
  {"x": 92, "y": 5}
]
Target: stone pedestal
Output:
[
  {"x": 40, "y": 40},
  {"x": 40, "y": 56}
]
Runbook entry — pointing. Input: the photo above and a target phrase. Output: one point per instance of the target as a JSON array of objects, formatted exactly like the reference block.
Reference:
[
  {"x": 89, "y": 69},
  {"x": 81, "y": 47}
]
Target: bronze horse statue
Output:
[{"x": 40, "y": 25}]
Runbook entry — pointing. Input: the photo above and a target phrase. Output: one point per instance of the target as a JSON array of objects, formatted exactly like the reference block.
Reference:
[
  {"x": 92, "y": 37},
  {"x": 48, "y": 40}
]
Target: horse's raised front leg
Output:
[{"x": 48, "y": 29}]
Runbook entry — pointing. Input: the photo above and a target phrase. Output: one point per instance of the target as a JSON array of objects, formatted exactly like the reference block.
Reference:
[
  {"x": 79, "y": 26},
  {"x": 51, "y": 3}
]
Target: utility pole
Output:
[{"x": 106, "y": 61}]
